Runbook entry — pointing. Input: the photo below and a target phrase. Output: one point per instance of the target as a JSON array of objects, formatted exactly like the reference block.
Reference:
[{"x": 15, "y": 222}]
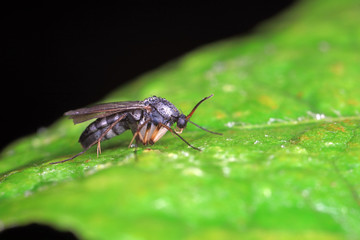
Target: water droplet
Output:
[
  {"x": 193, "y": 171},
  {"x": 186, "y": 154},
  {"x": 161, "y": 203},
  {"x": 228, "y": 88},
  {"x": 226, "y": 171},
  {"x": 317, "y": 116},
  {"x": 320, "y": 207},
  {"x": 230, "y": 124},
  {"x": 267, "y": 192},
  {"x": 329, "y": 144},
  {"x": 305, "y": 193},
  {"x": 173, "y": 156}
]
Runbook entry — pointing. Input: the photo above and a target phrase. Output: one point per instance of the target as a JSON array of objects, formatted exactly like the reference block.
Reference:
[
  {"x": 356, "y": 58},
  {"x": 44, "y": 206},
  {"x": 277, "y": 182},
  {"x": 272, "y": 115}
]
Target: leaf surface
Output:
[{"x": 287, "y": 100}]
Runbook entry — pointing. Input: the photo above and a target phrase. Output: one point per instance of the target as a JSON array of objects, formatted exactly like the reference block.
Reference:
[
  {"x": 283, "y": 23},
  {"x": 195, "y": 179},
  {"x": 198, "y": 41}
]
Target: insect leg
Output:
[
  {"x": 138, "y": 131},
  {"x": 98, "y": 149},
  {"x": 172, "y": 131},
  {"x": 71, "y": 158},
  {"x": 96, "y": 141}
]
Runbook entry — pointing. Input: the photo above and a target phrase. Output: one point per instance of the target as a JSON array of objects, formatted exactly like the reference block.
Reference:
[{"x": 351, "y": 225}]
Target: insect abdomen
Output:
[{"x": 93, "y": 132}]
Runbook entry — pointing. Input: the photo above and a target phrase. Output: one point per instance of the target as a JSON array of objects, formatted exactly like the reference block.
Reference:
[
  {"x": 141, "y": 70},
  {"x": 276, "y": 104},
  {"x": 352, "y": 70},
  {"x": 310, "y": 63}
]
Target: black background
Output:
[{"x": 61, "y": 56}]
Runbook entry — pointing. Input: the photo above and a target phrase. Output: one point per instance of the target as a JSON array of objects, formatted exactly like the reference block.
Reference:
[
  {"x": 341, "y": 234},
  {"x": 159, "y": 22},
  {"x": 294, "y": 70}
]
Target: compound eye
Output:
[{"x": 181, "y": 123}]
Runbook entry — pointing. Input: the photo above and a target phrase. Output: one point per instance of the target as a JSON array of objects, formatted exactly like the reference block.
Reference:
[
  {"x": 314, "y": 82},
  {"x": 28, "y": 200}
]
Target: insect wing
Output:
[{"x": 103, "y": 110}]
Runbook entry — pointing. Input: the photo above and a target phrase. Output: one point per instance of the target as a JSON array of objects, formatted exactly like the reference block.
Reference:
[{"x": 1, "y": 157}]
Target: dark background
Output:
[{"x": 61, "y": 56}]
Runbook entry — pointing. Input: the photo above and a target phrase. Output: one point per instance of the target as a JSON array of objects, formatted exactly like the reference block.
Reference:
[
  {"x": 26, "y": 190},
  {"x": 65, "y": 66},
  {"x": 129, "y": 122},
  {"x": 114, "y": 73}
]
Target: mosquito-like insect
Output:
[{"x": 148, "y": 120}]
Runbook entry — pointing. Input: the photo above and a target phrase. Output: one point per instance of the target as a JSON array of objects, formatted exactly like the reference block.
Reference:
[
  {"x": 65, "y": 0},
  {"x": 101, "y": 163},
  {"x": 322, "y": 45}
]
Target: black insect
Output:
[{"x": 148, "y": 120}]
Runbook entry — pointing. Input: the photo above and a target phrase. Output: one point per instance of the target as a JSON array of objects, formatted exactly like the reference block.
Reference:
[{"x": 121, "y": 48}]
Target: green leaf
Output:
[{"x": 287, "y": 100}]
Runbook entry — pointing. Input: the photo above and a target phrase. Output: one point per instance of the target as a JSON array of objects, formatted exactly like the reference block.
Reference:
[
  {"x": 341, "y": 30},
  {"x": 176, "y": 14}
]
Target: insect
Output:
[{"x": 148, "y": 120}]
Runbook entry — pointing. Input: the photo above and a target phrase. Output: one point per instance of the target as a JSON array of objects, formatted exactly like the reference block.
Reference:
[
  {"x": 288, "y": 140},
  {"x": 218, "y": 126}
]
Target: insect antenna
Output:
[
  {"x": 204, "y": 128},
  {"x": 192, "y": 112}
]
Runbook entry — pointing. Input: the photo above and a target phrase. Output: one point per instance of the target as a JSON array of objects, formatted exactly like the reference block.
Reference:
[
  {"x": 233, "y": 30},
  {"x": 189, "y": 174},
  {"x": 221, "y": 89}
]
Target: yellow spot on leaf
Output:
[
  {"x": 335, "y": 128},
  {"x": 268, "y": 101},
  {"x": 337, "y": 69},
  {"x": 304, "y": 138},
  {"x": 220, "y": 115},
  {"x": 353, "y": 102},
  {"x": 240, "y": 114}
]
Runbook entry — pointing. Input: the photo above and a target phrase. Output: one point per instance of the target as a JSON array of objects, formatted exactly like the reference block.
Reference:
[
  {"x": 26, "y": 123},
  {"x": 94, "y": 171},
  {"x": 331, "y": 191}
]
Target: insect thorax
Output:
[{"x": 162, "y": 111}]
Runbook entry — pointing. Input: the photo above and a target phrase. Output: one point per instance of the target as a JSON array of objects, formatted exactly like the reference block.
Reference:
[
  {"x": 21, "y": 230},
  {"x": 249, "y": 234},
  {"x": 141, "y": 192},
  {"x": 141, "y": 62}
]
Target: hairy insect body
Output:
[
  {"x": 98, "y": 127},
  {"x": 162, "y": 111}
]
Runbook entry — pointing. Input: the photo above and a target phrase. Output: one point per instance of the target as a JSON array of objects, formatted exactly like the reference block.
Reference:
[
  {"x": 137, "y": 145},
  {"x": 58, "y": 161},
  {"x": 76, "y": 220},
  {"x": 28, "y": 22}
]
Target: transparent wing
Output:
[{"x": 103, "y": 110}]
